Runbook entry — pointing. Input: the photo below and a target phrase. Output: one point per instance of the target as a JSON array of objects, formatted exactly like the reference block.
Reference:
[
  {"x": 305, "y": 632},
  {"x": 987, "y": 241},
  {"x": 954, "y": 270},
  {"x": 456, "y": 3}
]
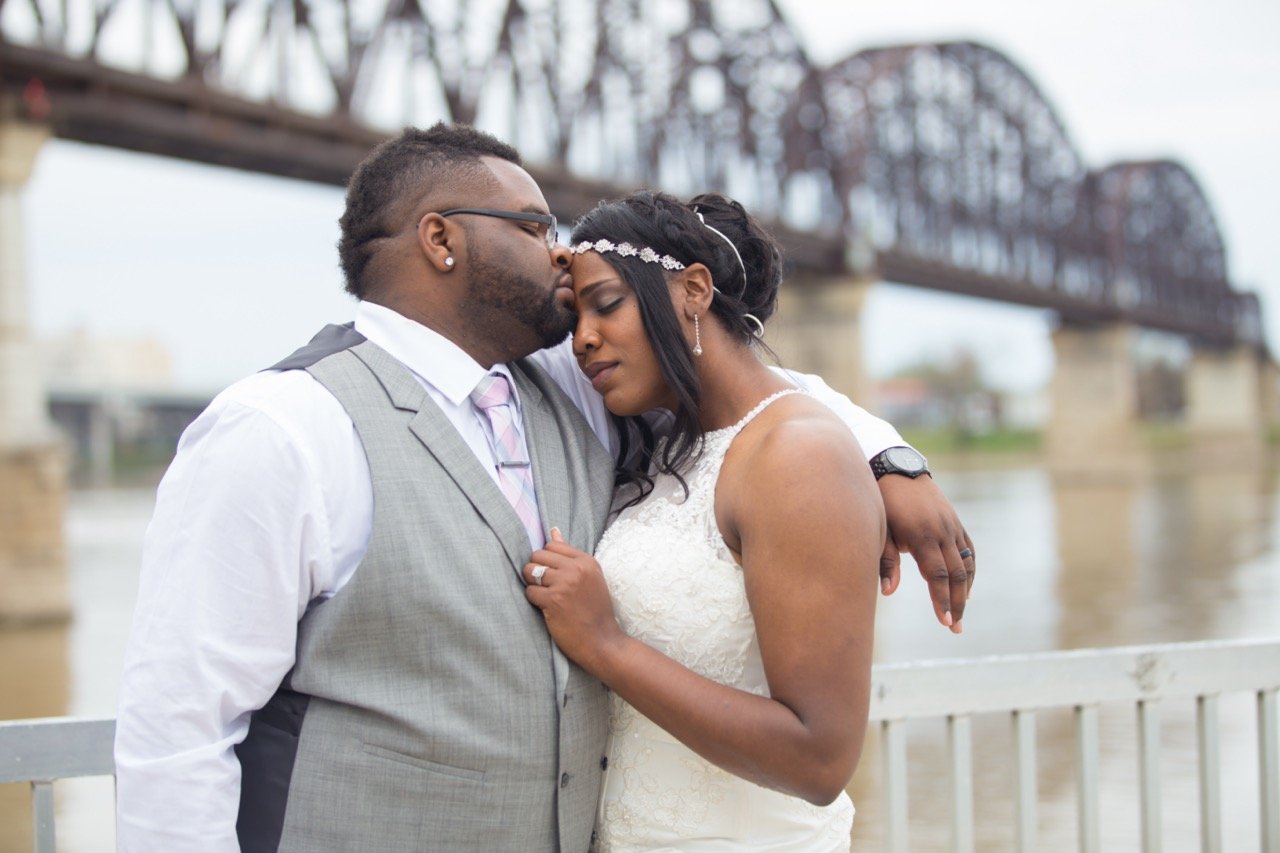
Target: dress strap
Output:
[
  {"x": 706, "y": 468},
  {"x": 758, "y": 408},
  {"x": 703, "y": 485}
]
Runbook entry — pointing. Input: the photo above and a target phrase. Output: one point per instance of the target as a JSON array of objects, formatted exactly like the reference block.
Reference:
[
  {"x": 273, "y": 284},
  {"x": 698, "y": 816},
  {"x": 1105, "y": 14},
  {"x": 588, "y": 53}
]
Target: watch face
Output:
[{"x": 905, "y": 459}]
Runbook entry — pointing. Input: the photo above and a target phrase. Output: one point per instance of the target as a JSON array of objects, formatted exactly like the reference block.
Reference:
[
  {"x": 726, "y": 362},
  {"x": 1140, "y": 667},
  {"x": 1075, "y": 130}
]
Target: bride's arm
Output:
[
  {"x": 922, "y": 522},
  {"x": 802, "y": 509}
]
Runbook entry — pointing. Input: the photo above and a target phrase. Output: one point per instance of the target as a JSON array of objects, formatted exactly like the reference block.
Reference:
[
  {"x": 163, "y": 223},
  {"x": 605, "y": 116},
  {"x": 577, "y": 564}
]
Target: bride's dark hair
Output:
[{"x": 671, "y": 227}]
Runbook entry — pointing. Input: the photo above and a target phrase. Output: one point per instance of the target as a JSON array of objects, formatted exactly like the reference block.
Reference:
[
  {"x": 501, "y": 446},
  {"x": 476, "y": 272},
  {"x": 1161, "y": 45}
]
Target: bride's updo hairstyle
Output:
[{"x": 746, "y": 268}]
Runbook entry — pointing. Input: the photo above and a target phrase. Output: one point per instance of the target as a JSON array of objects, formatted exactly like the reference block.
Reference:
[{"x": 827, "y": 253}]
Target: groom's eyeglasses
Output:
[{"x": 552, "y": 236}]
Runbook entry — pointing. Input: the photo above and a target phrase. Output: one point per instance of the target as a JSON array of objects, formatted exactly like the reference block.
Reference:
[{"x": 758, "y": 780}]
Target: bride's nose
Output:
[{"x": 585, "y": 338}]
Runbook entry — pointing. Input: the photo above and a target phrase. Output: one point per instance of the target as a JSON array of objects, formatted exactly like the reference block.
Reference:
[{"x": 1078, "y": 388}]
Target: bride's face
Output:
[{"x": 610, "y": 342}]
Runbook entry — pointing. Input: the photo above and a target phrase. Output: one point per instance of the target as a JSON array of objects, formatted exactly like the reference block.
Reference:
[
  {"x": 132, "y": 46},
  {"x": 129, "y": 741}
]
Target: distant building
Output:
[
  {"x": 81, "y": 361},
  {"x": 114, "y": 400},
  {"x": 911, "y": 402},
  {"x": 907, "y": 401}
]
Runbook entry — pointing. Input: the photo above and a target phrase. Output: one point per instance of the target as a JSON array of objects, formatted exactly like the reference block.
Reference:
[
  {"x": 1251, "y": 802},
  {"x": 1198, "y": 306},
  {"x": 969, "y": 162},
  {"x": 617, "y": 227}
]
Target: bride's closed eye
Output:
[{"x": 601, "y": 303}]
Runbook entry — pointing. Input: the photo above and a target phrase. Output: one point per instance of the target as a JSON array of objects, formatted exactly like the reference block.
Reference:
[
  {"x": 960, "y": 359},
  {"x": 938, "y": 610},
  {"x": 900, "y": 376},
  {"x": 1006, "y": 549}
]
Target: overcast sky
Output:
[{"x": 232, "y": 269}]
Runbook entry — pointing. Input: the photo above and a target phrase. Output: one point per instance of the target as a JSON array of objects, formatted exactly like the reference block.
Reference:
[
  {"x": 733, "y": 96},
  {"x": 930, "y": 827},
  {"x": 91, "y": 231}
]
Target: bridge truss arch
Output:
[
  {"x": 1164, "y": 252},
  {"x": 951, "y": 153},
  {"x": 940, "y": 165}
]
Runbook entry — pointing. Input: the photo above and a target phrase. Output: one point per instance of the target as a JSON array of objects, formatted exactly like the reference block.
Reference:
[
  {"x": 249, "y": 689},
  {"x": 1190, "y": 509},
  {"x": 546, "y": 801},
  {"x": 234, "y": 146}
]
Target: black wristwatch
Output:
[{"x": 899, "y": 460}]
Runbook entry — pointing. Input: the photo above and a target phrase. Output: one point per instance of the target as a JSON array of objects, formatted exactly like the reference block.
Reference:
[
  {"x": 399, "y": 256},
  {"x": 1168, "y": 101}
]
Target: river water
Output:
[{"x": 1180, "y": 553}]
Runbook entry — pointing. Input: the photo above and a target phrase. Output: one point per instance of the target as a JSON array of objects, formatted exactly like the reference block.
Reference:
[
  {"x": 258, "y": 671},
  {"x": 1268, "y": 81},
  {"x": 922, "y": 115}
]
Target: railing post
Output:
[
  {"x": 1026, "y": 817},
  {"x": 1269, "y": 770},
  {"x": 894, "y": 735},
  {"x": 1087, "y": 778},
  {"x": 960, "y": 737},
  {"x": 1149, "y": 773},
  {"x": 1210, "y": 755},
  {"x": 42, "y": 816}
]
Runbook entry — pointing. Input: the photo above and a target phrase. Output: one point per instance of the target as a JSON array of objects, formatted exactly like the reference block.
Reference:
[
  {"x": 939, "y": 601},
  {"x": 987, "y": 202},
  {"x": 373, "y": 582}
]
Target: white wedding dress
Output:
[{"x": 676, "y": 587}]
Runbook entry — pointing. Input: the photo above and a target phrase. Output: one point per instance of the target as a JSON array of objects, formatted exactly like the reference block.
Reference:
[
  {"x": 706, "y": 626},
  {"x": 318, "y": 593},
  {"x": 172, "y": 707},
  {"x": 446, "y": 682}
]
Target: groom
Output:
[{"x": 332, "y": 649}]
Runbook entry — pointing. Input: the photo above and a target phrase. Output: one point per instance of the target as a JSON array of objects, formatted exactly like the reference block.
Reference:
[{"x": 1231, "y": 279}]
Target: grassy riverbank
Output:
[
  {"x": 951, "y": 441},
  {"x": 1156, "y": 435}
]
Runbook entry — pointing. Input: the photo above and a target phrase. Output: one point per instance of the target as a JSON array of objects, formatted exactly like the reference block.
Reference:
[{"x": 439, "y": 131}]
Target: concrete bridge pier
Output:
[
  {"x": 1094, "y": 431},
  {"x": 1227, "y": 403},
  {"x": 33, "y": 461},
  {"x": 816, "y": 330},
  {"x": 1269, "y": 392}
]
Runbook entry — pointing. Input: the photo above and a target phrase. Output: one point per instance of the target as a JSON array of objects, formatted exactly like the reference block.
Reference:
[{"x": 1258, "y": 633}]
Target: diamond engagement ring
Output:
[{"x": 538, "y": 572}]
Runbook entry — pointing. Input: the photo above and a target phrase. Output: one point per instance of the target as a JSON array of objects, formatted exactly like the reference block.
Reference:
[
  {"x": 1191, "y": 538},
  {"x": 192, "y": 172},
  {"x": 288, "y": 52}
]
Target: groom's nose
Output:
[{"x": 561, "y": 256}]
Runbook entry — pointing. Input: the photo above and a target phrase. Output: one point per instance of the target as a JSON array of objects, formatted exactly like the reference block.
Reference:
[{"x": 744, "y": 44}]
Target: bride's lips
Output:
[{"x": 599, "y": 372}]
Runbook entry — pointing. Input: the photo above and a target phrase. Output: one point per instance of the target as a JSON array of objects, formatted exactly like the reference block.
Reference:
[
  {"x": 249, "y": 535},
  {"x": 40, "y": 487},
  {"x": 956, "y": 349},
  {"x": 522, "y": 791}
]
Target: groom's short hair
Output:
[{"x": 441, "y": 161}]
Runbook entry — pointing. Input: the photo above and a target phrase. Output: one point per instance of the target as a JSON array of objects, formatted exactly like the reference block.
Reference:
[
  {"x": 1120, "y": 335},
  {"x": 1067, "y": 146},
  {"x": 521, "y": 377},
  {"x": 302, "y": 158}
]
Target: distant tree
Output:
[{"x": 958, "y": 384}]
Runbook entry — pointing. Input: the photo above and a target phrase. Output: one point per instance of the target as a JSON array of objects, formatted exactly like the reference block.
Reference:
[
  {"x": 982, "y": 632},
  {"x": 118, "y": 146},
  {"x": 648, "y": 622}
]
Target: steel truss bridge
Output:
[{"x": 936, "y": 165}]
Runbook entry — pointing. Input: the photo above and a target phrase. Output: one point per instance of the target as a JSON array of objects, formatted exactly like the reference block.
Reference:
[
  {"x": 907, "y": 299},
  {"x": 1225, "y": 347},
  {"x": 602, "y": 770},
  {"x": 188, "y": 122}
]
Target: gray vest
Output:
[{"x": 428, "y": 708}]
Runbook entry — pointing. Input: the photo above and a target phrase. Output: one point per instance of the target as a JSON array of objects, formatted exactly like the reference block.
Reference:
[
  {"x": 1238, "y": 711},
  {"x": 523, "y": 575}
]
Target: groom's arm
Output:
[{"x": 240, "y": 540}]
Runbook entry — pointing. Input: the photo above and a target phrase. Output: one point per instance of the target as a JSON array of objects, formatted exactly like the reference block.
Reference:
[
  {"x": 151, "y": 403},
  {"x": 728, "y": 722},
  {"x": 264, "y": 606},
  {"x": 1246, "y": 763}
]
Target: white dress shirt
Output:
[{"x": 267, "y": 507}]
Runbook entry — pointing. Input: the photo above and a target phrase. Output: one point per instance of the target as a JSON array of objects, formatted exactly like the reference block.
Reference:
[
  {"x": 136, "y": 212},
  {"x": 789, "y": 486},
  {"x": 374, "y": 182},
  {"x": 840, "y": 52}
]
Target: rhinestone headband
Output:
[
  {"x": 736, "y": 253},
  {"x": 626, "y": 250},
  {"x": 649, "y": 256}
]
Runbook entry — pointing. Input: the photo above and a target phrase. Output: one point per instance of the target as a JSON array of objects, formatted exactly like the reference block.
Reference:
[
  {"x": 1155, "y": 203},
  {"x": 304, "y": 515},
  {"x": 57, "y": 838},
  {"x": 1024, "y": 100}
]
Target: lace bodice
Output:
[{"x": 676, "y": 587}]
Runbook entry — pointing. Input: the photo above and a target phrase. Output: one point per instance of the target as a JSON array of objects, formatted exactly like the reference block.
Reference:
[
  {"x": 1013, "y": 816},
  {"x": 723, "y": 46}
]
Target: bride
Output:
[{"x": 730, "y": 605}]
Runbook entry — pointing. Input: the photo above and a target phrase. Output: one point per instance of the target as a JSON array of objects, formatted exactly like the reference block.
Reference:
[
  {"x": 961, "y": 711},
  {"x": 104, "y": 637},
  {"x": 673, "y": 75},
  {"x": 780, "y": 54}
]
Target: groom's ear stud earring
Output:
[{"x": 448, "y": 262}]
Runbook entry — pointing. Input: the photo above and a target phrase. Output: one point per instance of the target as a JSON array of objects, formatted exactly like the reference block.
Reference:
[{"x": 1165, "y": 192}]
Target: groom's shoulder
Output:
[
  {"x": 292, "y": 400},
  {"x": 331, "y": 339}
]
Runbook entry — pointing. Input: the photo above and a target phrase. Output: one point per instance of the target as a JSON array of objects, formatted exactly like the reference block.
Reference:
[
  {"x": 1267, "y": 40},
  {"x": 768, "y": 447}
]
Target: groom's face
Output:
[{"x": 514, "y": 277}]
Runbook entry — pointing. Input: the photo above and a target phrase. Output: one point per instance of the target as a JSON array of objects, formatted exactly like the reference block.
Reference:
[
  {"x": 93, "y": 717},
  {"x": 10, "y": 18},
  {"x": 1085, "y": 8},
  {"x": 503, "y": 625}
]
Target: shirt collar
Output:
[{"x": 431, "y": 356}]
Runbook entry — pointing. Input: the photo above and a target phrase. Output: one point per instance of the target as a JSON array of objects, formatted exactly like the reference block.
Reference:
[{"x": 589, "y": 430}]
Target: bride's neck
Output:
[{"x": 733, "y": 381}]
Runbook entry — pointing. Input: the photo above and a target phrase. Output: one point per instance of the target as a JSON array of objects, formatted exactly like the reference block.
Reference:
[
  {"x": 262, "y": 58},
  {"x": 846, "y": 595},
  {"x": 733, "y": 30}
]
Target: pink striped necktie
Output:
[{"x": 515, "y": 474}]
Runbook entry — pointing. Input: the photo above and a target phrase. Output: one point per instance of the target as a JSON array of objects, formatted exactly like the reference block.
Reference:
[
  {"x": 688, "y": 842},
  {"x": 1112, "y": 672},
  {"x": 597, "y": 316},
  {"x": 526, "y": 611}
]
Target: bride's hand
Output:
[{"x": 566, "y": 584}]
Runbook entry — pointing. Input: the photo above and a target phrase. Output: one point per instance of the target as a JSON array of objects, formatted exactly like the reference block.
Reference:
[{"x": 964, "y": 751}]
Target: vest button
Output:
[
  {"x": 604, "y": 762},
  {"x": 564, "y": 780}
]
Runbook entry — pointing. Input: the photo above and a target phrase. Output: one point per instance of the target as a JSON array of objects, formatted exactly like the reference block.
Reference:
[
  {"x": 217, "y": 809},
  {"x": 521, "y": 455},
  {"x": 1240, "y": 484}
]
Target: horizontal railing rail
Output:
[{"x": 42, "y": 751}]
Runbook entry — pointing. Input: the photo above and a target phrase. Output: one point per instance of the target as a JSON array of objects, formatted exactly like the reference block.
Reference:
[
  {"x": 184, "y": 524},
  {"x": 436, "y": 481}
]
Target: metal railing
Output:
[
  {"x": 41, "y": 751},
  {"x": 1021, "y": 686}
]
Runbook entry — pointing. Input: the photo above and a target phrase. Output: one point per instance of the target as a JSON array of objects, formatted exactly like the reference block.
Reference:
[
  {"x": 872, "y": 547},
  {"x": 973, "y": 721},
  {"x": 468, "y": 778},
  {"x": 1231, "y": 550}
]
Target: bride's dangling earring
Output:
[{"x": 697, "y": 336}]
